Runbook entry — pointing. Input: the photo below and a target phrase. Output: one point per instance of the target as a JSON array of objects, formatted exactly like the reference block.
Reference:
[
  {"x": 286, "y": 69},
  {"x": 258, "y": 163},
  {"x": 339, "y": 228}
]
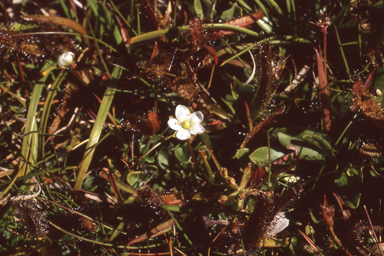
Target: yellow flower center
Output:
[{"x": 186, "y": 124}]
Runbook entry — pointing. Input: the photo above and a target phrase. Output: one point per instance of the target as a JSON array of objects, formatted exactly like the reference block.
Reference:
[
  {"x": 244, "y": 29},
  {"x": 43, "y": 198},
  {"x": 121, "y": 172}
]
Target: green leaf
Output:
[
  {"x": 318, "y": 141},
  {"x": 206, "y": 139},
  {"x": 29, "y": 145},
  {"x": 323, "y": 145},
  {"x": 65, "y": 8},
  {"x": 378, "y": 163},
  {"x": 98, "y": 126},
  {"x": 294, "y": 138},
  {"x": 231, "y": 13},
  {"x": 170, "y": 176},
  {"x": 150, "y": 159},
  {"x": 240, "y": 87},
  {"x": 117, "y": 34},
  {"x": 108, "y": 17},
  {"x": 260, "y": 155},
  {"x": 309, "y": 230},
  {"x": 210, "y": 8},
  {"x": 229, "y": 101},
  {"x": 182, "y": 154},
  {"x": 349, "y": 185},
  {"x": 241, "y": 152},
  {"x": 199, "y": 9},
  {"x": 47, "y": 107},
  {"x": 88, "y": 183},
  {"x": 134, "y": 178},
  {"x": 162, "y": 159}
]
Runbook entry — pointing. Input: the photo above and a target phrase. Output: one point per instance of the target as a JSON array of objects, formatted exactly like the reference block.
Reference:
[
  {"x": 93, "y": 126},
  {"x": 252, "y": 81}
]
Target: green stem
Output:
[
  {"x": 218, "y": 26},
  {"x": 318, "y": 176},
  {"x": 138, "y": 19},
  {"x": 98, "y": 242},
  {"x": 345, "y": 130},
  {"x": 341, "y": 48},
  {"x": 97, "y": 44},
  {"x": 269, "y": 162},
  {"x": 121, "y": 16}
]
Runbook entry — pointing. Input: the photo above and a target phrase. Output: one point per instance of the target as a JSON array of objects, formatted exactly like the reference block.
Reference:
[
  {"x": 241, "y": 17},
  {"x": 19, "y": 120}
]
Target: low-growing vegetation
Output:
[{"x": 251, "y": 127}]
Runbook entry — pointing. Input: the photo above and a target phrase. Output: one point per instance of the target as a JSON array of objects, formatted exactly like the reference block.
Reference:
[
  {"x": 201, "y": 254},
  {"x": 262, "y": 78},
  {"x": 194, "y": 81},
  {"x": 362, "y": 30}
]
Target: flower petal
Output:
[
  {"x": 183, "y": 134},
  {"x": 196, "y": 117},
  {"x": 65, "y": 60},
  {"x": 196, "y": 129},
  {"x": 174, "y": 124},
  {"x": 182, "y": 113}
]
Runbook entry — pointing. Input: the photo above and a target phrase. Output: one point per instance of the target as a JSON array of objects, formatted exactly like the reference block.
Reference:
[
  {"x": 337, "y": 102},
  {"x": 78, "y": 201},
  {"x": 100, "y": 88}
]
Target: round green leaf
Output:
[
  {"x": 134, "y": 178},
  {"x": 260, "y": 155},
  {"x": 162, "y": 159},
  {"x": 182, "y": 154}
]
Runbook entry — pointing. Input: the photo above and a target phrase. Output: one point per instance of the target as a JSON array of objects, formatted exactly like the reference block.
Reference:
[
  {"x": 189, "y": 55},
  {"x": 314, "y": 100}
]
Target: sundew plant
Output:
[{"x": 199, "y": 127}]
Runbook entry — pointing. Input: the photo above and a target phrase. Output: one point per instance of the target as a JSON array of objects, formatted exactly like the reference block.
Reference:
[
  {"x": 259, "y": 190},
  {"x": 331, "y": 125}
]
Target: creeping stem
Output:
[{"x": 59, "y": 21}]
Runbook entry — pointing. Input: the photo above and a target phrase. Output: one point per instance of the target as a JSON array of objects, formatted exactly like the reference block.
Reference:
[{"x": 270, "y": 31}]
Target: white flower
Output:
[
  {"x": 65, "y": 60},
  {"x": 186, "y": 123}
]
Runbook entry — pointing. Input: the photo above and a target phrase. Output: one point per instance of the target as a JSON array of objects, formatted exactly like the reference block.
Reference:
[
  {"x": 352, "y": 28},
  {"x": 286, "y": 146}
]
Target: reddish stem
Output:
[{"x": 59, "y": 21}]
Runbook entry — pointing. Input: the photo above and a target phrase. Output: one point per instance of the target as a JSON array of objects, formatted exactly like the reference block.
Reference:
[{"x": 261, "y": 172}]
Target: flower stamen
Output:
[{"x": 186, "y": 124}]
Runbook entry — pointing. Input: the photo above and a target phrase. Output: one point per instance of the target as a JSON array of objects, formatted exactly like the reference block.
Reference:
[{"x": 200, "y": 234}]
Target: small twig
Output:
[
  {"x": 24, "y": 197},
  {"x": 299, "y": 78},
  {"x": 373, "y": 232}
]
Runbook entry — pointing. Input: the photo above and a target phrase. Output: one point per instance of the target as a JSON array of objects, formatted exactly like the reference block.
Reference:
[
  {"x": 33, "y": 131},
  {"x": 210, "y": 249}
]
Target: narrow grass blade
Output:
[
  {"x": 5, "y": 191},
  {"x": 47, "y": 108},
  {"x": 31, "y": 122},
  {"x": 98, "y": 126},
  {"x": 163, "y": 32}
]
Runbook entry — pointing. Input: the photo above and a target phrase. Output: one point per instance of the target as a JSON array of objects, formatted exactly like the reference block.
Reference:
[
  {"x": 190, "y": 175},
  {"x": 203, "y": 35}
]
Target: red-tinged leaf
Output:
[
  {"x": 114, "y": 187},
  {"x": 158, "y": 230},
  {"x": 249, "y": 117},
  {"x": 309, "y": 240},
  {"x": 123, "y": 27},
  {"x": 243, "y": 22},
  {"x": 328, "y": 212},
  {"x": 198, "y": 38},
  {"x": 320, "y": 72},
  {"x": 323, "y": 91},
  {"x": 246, "y": 20},
  {"x": 212, "y": 52},
  {"x": 146, "y": 8},
  {"x": 146, "y": 126},
  {"x": 343, "y": 207},
  {"x": 215, "y": 123}
]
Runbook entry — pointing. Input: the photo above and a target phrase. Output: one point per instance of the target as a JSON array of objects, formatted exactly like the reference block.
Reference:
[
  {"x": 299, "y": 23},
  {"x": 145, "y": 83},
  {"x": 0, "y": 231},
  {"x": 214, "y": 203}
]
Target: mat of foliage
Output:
[{"x": 251, "y": 127}]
